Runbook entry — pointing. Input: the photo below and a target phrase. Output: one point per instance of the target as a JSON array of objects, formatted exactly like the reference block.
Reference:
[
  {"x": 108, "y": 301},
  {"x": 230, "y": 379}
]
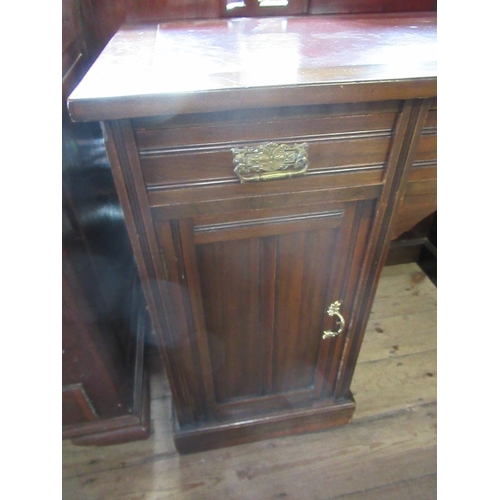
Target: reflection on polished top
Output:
[{"x": 175, "y": 59}]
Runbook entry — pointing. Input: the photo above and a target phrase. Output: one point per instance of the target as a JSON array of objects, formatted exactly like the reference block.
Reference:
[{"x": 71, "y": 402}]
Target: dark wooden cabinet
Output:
[
  {"x": 105, "y": 392},
  {"x": 359, "y": 6},
  {"x": 261, "y": 182}
]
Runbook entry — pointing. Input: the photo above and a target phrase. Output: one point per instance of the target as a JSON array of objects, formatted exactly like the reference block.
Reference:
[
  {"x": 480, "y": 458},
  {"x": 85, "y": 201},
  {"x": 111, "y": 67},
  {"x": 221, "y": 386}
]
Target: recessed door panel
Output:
[
  {"x": 261, "y": 283},
  {"x": 264, "y": 299},
  {"x": 303, "y": 273},
  {"x": 230, "y": 281}
]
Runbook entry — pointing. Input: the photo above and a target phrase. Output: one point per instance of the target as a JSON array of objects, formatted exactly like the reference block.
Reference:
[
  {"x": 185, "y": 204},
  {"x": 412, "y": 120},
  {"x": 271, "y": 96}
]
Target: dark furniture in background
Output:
[
  {"x": 105, "y": 393},
  {"x": 99, "y": 19}
]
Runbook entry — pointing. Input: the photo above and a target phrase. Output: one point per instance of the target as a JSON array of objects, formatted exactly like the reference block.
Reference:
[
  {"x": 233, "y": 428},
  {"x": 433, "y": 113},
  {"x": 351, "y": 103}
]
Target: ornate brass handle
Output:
[
  {"x": 334, "y": 310},
  {"x": 270, "y": 161}
]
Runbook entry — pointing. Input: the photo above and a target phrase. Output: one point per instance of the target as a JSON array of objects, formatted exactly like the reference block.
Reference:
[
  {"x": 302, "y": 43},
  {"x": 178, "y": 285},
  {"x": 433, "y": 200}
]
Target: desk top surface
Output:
[{"x": 213, "y": 64}]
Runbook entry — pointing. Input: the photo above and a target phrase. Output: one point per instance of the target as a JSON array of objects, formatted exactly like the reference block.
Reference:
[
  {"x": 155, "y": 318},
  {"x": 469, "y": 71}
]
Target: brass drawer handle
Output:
[
  {"x": 334, "y": 310},
  {"x": 270, "y": 161}
]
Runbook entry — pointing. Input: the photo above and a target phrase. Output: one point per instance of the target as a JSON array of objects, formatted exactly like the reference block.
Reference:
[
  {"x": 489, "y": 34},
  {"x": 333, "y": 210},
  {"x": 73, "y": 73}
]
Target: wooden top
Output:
[{"x": 209, "y": 65}]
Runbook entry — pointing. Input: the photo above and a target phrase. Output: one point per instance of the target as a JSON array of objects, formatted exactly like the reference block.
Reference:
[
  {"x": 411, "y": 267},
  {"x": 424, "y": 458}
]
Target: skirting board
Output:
[{"x": 278, "y": 424}]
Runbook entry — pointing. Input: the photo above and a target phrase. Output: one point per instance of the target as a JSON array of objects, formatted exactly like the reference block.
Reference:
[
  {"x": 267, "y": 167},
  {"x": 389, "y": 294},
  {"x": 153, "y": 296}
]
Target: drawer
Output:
[
  {"x": 209, "y": 166},
  {"x": 196, "y": 150},
  {"x": 420, "y": 198},
  {"x": 426, "y": 153}
]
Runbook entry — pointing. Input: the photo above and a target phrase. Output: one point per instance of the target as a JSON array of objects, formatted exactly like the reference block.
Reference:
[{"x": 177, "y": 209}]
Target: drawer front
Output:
[
  {"x": 426, "y": 155},
  {"x": 196, "y": 150},
  {"x": 420, "y": 199},
  {"x": 215, "y": 165},
  {"x": 423, "y": 174}
]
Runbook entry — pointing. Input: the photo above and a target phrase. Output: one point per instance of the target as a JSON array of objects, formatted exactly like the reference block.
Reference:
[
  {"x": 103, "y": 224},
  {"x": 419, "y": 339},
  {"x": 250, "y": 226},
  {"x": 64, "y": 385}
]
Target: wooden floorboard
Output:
[
  {"x": 387, "y": 452},
  {"x": 412, "y": 489}
]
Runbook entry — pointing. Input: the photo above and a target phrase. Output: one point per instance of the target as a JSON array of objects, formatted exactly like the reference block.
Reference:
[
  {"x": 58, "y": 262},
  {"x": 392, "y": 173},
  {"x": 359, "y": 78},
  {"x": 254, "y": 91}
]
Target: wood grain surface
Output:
[{"x": 214, "y": 65}]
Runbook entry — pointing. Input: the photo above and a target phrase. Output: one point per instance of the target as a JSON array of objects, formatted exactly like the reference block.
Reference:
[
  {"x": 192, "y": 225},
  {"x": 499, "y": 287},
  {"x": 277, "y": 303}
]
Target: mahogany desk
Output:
[{"x": 262, "y": 166}]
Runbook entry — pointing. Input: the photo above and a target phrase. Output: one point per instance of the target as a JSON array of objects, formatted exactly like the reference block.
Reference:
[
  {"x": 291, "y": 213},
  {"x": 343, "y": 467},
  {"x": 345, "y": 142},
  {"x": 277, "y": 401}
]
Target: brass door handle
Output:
[{"x": 334, "y": 310}]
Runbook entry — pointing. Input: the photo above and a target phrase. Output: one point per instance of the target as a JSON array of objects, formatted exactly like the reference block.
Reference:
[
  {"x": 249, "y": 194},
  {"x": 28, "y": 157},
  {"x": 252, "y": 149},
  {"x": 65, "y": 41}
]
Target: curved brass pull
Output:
[
  {"x": 334, "y": 310},
  {"x": 270, "y": 161}
]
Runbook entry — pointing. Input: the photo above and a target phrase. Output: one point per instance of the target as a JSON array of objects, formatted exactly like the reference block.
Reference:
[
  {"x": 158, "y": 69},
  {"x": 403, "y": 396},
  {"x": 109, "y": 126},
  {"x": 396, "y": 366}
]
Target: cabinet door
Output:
[{"x": 257, "y": 286}]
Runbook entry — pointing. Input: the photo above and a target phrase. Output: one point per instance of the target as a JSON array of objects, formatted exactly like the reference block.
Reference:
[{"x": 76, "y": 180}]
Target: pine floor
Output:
[{"x": 388, "y": 452}]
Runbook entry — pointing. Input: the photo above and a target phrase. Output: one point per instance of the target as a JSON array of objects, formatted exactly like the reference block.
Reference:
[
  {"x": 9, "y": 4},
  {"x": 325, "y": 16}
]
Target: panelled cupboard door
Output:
[{"x": 258, "y": 289}]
